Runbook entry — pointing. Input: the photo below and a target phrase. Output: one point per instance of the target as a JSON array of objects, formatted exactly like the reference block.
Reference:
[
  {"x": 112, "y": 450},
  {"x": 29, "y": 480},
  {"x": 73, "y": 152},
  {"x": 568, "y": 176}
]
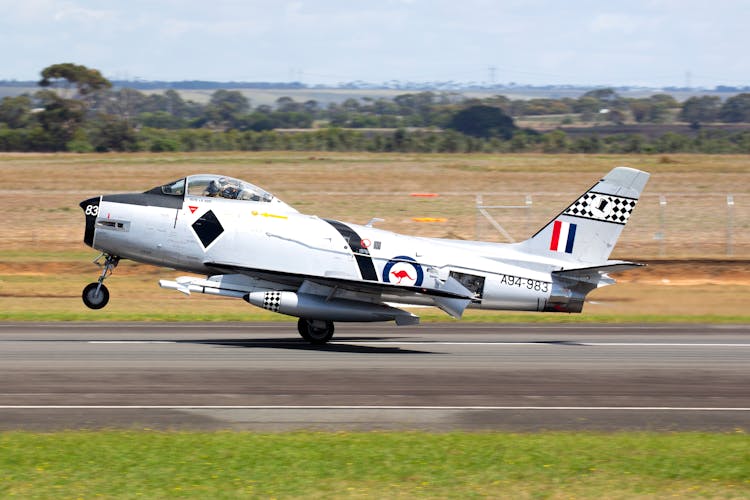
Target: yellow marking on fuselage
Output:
[{"x": 266, "y": 214}]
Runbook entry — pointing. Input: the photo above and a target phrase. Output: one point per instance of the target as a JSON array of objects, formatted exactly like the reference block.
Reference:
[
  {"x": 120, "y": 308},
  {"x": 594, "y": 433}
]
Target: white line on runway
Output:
[
  {"x": 542, "y": 343},
  {"x": 552, "y": 343},
  {"x": 131, "y": 342},
  {"x": 386, "y": 407},
  {"x": 564, "y": 343}
]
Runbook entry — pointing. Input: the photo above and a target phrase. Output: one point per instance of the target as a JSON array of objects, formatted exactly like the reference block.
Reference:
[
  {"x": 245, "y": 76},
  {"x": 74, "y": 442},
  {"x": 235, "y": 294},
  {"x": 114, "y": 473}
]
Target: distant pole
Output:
[
  {"x": 662, "y": 225},
  {"x": 528, "y": 213},
  {"x": 479, "y": 217},
  {"x": 730, "y": 224}
]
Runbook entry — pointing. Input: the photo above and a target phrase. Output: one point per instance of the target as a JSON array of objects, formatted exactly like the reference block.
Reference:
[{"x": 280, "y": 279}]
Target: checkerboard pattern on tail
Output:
[{"x": 602, "y": 207}]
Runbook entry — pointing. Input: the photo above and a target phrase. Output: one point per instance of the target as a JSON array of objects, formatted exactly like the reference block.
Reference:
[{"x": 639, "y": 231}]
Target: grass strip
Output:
[{"x": 147, "y": 464}]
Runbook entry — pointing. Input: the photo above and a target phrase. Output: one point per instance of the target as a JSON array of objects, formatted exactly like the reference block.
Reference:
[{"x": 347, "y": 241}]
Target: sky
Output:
[{"x": 652, "y": 43}]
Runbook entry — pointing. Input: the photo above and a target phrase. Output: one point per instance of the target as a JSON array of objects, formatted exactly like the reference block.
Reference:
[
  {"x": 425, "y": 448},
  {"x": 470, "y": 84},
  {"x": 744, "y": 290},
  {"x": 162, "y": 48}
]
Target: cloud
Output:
[
  {"x": 625, "y": 24},
  {"x": 67, "y": 11}
]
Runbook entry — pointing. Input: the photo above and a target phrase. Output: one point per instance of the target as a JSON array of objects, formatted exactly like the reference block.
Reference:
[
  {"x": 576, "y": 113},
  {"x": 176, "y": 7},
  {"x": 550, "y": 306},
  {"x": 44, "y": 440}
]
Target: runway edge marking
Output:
[{"x": 386, "y": 407}]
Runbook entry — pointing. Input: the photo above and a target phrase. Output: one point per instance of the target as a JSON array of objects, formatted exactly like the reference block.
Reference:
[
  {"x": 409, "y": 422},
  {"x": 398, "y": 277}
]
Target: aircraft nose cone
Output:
[
  {"x": 90, "y": 208},
  {"x": 88, "y": 204}
]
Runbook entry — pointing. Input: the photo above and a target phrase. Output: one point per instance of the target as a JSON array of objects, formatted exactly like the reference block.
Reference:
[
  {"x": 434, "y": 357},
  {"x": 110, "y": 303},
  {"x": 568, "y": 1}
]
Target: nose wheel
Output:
[{"x": 96, "y": 295}]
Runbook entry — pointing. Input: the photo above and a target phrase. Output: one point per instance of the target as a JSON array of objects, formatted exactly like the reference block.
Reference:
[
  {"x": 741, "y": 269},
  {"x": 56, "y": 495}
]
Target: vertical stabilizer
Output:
[{"x": 586, "y": 232}]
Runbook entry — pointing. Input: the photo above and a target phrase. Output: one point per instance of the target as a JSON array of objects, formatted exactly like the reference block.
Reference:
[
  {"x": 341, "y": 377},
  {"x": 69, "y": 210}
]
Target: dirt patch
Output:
[
  {"x": 62, "y": 268},
  {"x": 690, "y": 272}
]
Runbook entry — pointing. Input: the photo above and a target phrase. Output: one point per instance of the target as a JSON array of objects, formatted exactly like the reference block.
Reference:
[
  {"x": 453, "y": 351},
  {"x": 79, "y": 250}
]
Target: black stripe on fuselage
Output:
[
  {"x": 361, "y": 254},
  {"x": 146, "y": 199}
]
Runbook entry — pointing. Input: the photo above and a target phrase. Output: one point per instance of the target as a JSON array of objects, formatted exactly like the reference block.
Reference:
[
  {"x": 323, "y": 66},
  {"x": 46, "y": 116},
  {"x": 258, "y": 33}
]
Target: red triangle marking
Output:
[{"x": 192, "y": 209}]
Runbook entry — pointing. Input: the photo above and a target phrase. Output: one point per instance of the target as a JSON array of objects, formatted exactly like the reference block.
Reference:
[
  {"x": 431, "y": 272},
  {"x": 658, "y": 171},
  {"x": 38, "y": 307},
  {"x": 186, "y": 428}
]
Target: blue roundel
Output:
[{"x": 403, "y": 270}]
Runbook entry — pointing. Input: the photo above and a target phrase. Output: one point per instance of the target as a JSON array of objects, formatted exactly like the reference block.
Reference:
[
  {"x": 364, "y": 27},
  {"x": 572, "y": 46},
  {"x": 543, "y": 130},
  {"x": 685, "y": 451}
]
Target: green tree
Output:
[
  {"x": 161, "y": 119},
  {"x": 736, "y": 109},
  {"x": 703, "y": 109},
  {"x": 661, "y": 104},
  {"x": 654, "y": 109},
  {"x": 288, "y": 104},
  {"x": 588, "y": 107},
  {"x": 86, "y": 81},
  {"x": 545, "y": 107},
  {"x": 555, "y": 141},
  {"x": 483, "y": 121},
  {"x": 604, "y": 95},
  {"x": 64, "y": 111},
  {"x": 15, "y": 112},
  {"x": 640, "y": 108},
  {"x": 615, "y": 116},
  {"x": 125, "y": 103},
  {"x": 59, "y": 119},
  {"x": 226, "y": 107},
  {"x": 417, "y": 108},
  {"x": 109, "y": 133}
]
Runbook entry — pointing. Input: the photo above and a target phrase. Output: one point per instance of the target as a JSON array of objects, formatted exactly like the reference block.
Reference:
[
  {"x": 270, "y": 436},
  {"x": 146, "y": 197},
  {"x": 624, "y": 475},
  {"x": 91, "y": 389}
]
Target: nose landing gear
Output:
[{"x": 96, "y": 295}]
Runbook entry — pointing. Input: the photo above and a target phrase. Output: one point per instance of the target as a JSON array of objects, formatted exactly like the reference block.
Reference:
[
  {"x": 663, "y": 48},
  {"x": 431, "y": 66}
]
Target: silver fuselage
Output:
[{"x": 196, "y": 231}]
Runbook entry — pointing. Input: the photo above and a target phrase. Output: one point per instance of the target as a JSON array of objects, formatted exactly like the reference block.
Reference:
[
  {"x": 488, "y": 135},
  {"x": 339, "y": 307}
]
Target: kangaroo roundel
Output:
[{"x": 403, "y": 270}]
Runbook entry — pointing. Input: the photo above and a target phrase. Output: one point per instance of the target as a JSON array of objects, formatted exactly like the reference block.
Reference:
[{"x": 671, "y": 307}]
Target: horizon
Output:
[{"x": 201, "y": 84}]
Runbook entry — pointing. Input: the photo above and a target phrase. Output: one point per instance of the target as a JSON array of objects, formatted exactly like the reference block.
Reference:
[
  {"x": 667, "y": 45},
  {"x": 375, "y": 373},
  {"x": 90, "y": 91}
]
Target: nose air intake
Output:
[{"x": 90, "y": 208}]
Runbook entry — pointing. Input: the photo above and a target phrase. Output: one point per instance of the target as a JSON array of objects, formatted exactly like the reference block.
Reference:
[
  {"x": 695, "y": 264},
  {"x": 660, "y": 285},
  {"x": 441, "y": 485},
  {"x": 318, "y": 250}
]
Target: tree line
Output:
[{"x": 77, "y": 109}]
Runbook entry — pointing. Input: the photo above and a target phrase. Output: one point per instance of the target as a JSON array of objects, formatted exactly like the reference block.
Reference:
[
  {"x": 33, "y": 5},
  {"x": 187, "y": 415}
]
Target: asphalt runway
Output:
[{"x": 438, "y": 377}]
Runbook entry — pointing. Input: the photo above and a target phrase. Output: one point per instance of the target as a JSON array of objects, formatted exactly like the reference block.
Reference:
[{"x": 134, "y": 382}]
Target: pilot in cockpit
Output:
[
  {"x": 221, "y": 188},
  {"x": 213, "y": 189},
  {"x": 229, "y": 190}
]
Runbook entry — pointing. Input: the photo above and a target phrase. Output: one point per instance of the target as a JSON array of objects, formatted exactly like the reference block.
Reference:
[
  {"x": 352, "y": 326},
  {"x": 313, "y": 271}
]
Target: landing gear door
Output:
[{"x": 471, "y": 282}]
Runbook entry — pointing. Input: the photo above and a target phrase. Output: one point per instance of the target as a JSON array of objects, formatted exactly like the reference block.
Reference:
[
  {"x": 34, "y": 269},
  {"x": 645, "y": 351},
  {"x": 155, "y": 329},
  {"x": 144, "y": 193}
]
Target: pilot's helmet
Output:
[
  {"x": 223, "y": 181},
  {"x": 213, "y": 187}
]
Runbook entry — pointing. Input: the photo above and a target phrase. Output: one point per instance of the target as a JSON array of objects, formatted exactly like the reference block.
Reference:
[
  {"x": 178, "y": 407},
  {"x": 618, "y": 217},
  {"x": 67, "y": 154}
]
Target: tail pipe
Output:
[{"x": 566, "y": 297}]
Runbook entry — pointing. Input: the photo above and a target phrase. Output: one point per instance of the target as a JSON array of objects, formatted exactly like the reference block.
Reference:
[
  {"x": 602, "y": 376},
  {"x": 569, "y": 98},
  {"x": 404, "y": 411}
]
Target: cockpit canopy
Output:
[
  {"x": 214, "y": 186},
  {"x": 219, "y": 186}
]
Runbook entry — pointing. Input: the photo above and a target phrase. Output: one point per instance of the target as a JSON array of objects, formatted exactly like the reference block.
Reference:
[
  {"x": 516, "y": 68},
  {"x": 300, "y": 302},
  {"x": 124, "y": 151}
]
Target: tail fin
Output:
[{"x": 586, "y": 232}]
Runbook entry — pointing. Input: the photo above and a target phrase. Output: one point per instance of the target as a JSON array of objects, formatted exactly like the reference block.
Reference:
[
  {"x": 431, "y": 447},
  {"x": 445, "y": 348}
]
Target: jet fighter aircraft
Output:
[{"x": 248, "y": 244}]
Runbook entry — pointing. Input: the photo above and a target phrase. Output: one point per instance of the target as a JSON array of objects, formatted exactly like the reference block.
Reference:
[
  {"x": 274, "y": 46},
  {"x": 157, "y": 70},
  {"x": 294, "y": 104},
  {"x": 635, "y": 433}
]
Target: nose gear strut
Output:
[{"x": 96, "y": 295}]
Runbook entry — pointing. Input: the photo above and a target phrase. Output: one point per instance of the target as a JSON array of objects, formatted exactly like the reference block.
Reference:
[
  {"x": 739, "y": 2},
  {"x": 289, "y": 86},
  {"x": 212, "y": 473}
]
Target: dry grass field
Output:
[{"x": 698, "y": 269}]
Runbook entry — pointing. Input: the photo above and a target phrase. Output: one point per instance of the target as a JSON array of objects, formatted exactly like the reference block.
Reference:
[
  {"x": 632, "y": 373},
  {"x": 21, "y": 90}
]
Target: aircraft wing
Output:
[{"x": 449, "y": 291}]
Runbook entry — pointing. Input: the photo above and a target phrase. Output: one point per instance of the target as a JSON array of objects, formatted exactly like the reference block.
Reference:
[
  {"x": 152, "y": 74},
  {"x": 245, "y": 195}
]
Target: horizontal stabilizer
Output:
[
  {"x": 596, "y": 275},
  {"x": 570, "y": 286}
]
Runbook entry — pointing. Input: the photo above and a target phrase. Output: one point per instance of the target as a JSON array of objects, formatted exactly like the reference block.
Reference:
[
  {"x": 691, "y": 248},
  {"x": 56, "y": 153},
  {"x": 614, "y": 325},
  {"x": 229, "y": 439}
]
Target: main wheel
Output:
[
  {"x": 95, "y": 299},
  {"x": 315, "y": 331}
]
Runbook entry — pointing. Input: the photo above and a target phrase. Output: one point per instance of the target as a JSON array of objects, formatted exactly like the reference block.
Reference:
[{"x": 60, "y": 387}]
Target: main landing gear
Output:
[
  {"x": 96, "y": 295},
  {"x": 315, "y": 331}
]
